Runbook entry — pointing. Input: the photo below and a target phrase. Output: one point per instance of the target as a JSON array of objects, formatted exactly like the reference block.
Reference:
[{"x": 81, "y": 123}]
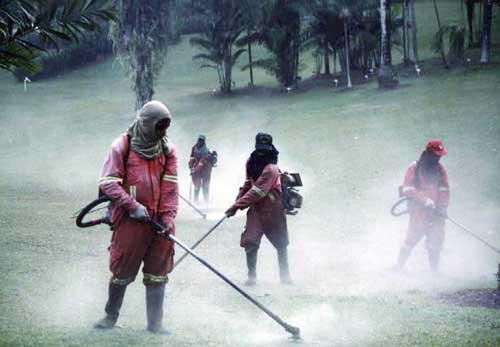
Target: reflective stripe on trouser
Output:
[
  {"x": 154, "y": 279},
  {"x": 121, "y": 281}
]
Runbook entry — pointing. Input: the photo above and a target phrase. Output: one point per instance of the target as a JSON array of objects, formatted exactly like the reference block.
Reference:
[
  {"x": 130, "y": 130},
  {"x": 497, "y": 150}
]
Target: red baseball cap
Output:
[{"x": 436, "y": 147}]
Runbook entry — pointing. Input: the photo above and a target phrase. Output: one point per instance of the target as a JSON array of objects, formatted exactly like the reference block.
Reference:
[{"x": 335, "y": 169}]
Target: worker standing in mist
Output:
[
  {"x": 261, "y": 194},
  {"x": 200, "y": 165},
  {"x": 139, "y": 175},
  {"x": 426, "y": 184}
]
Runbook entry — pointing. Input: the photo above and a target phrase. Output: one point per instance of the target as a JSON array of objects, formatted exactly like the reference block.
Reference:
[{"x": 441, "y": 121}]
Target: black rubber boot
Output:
[
  {"x": 403, "y": 256},
  {"x": 154, "y": 308},
  {"x": 251, "y": 254},
  {"x": 283, "y": 264},
  {"x": 116, "y": 294}
]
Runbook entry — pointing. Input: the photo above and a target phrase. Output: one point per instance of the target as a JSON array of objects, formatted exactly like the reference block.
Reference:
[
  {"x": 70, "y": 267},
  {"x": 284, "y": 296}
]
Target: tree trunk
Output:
[
  {"x": 406, "y": 52},
  {"x": 348, "y": 68},
  {"x": 414, "y": 31},
  {"x": 335, "y": 61},
  {"x": 326, "y": 58},
  {"x": 250, "y": 62},
  {"x": 143, "y": 77},
  {"x": 138, "y": 37},
  {"x": 227, "y": 66},
  {"x": 441, "y": 36},
  {"x": 470, "y": 20},
  {"x": 387, "y": 76},
  {"x": 486, "y": 34}
]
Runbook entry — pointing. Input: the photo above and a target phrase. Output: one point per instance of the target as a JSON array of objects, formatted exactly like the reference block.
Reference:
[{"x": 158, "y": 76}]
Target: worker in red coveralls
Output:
[
  {"x": 426, "y": 184},
  {"x": 140, "y": 176},
  {"x": 261, "y": 194},
  {"x": 200, "y": 165}
]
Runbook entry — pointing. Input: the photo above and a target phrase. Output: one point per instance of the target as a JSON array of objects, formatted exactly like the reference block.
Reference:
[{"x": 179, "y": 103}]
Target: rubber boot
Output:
[
  {"x": 403, "y": 256},
  {"x": 116, "y": 294},
  {"x": 434, "y": 261},
  {"x": 196, "y": 195},
  {"x": 206, "y": 194},
  {"x": 251, "y": 254},
  {"x": 154, "y": 308},
  {"x": 283, "y": 264}
]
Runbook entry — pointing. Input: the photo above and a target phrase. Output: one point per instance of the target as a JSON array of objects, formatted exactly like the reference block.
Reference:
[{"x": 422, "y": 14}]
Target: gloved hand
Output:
[
  {"x": 231, "y": 211},
  {"x": 139, "y": 213},
  {"x": 429, "y": 203},
  {"x": 169, "y": 228},
  {"x": 441, "y": 212}
]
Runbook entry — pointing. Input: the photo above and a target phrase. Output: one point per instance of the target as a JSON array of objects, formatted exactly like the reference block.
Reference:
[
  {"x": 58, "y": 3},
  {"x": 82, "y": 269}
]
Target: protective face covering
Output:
[{"x": 148, "y": 132}]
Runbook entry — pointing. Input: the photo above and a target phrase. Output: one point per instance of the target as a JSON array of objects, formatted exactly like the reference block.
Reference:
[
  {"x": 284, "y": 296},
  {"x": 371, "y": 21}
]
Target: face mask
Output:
[{"x": 161, "y": 128}]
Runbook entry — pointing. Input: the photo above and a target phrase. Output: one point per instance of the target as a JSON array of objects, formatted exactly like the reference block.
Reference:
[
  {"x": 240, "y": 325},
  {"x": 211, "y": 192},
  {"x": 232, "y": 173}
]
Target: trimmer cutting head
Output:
[{"x": 294, "y": 331}]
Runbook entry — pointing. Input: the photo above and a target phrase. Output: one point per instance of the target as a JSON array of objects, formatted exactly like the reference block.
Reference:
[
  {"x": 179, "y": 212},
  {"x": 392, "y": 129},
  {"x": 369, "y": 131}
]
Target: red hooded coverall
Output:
[
  {"x": 425, "y": 221},
  {"x": 266, "y": 215},
  {"x": 202, "y": 172},
  {"x": 153, "y": 183}
]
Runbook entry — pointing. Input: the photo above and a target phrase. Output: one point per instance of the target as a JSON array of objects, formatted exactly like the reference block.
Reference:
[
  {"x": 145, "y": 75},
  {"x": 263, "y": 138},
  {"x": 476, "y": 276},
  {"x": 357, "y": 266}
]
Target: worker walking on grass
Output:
[
  {"x": 200, "y": 164},
  {"x": 261, "y": 194},
  {"x": 139, "y": 175},
  {"x": 426, "y": 184}
]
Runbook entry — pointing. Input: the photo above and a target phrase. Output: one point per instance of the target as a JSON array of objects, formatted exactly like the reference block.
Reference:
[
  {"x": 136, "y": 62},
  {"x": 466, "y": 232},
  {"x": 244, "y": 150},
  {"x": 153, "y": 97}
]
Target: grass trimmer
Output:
[
  {"x": 396, "y": 213},
  {"x": 295, "y": 331},
  {"x": 445, "y": 215}
]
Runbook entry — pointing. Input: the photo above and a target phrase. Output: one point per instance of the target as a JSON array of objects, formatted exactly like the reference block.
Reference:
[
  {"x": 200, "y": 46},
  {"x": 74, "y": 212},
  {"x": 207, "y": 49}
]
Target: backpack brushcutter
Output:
[
  {"x": 295, "y": 331},
  {"x": 396, "y": 213},
  {"x": 291, "y": 198}
]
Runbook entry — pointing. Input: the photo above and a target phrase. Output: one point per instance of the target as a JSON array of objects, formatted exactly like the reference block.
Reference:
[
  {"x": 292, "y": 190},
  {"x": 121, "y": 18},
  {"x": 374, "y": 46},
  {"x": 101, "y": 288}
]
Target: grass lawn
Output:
[{"x": 351, "y": 147}]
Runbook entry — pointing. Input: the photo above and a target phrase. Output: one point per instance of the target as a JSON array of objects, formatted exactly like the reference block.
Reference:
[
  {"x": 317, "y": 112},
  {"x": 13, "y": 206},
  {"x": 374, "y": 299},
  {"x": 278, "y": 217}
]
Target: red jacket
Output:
[
  {"x": 421, "y": 188},
  {"x": 153, "y": 183},
  {"x": 200, "y": 166},
  {"x": 263, "y": 196}
]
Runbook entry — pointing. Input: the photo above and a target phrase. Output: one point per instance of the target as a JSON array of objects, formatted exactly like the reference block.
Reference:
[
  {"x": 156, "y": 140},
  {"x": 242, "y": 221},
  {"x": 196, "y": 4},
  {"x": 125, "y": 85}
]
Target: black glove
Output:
[
  {"x": 139, "y": 213},
  {"x": 231, "y": 211}
]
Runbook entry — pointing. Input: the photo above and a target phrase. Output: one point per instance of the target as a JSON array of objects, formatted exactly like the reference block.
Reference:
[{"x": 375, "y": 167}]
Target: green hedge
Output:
[{"x": 92, "y": 47}]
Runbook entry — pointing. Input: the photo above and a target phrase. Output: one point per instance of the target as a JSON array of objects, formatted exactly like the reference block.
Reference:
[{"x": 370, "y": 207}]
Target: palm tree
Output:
[
  {"x": 387, "y": 76},
  {"x": 28, "y": 28},
  {"x": 323, "y": 33},
  {"x": 223, "y": 27},
  {"x": 251, "y": 17},
  {"x": 141, "y": 38},
  {"x": 279, "y": 32}
]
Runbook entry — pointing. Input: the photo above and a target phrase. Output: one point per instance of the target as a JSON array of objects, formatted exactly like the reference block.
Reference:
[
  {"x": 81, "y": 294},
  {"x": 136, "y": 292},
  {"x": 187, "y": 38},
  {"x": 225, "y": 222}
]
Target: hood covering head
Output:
[
  {"x": 146, "y": 140},
  {"x": 265, "y": 153},
  {"x": 428, "y": 165}
]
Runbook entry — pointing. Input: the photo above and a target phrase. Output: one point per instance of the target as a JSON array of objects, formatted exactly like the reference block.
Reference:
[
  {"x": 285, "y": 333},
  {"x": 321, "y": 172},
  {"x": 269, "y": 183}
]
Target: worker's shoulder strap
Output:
[{"x": 165, "y": 144}]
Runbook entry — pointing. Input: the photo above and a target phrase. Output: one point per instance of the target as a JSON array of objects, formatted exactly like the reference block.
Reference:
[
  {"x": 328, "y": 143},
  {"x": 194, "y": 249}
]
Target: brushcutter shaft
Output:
[
  {"x": 200, "y": 240},
  {"x": 295, "y": 331},
  {"x": 204, "y": 215},
  {"x": 444, "y": 215},
  {"x": 493, "y": 248}
]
